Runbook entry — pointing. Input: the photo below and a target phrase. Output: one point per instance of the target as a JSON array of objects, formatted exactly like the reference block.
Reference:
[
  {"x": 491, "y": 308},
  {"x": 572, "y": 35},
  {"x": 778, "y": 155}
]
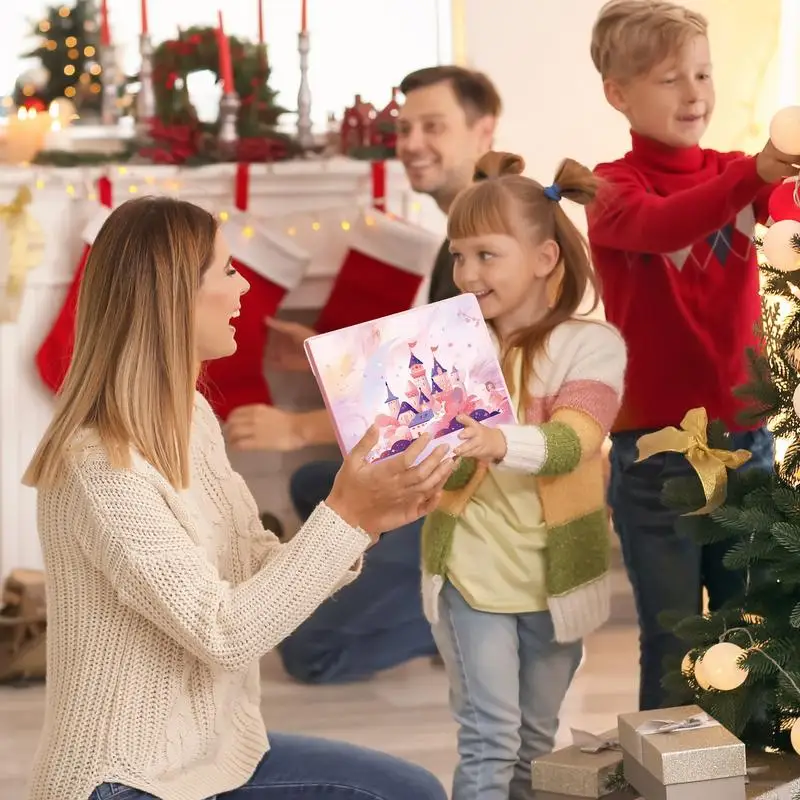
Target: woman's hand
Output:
[
  {"x": 387, "y": 494},
  {"x": 485, "y": 444}
]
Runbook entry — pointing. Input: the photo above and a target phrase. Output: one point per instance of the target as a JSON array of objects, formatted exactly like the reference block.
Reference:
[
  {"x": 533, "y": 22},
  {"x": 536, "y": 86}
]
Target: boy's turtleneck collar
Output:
[{"x": 665, "y": 157}]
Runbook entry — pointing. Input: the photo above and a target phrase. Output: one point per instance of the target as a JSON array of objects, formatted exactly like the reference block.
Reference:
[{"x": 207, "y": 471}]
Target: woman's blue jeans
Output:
[{"x": 304, "y": 768}]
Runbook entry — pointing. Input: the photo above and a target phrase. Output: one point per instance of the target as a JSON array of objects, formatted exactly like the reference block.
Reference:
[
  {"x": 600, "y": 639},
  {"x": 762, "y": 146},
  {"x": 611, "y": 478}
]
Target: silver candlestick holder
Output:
[
  {"x": 228, "y": 116},
  {"x": 305, "y": 137},
  {"x": 146, "y": 99},
  {"x": 109, "y": 112}
]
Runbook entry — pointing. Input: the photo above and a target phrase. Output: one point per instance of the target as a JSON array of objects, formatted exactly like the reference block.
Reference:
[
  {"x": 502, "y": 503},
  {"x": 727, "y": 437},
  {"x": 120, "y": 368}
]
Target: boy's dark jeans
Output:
[{"x": 667, "y": 570}]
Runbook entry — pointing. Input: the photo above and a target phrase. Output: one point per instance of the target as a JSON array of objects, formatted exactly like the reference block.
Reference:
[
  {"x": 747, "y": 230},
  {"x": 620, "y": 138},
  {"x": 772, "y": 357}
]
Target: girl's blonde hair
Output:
[
  {"x": 133, "y": 371},
  {"x": 503, "y": 201}
]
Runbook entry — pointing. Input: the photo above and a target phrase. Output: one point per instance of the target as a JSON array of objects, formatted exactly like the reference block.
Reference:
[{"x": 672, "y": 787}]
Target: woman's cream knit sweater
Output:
[{"x": 160, "y": 604}]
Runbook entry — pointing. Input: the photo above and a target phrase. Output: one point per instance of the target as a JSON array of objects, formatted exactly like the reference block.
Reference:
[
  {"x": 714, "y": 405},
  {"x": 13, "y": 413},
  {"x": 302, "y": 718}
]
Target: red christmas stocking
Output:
[
  {"x": 55, "y": 353},
  {"x": 273, "y": 265},
  {"x": 382, "y": 271}
]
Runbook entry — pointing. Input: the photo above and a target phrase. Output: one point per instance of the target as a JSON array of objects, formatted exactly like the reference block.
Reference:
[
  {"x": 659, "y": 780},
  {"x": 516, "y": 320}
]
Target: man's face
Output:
[{"x": 438, "y": 143}]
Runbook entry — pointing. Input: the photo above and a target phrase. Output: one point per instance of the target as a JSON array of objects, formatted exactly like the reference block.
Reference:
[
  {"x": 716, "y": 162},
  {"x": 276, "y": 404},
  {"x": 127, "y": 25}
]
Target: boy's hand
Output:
[
  {"x": 261, "y": 427},
  {"x": 485, "y": 444},
  {"x": 773, "y": 165}
]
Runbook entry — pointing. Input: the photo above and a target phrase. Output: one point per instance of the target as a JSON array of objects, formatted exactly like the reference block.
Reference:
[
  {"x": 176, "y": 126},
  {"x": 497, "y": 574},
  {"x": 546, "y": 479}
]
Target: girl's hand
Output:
[
  {"x": 485, "y": 444},
  {"x": 385, "y": 495}
]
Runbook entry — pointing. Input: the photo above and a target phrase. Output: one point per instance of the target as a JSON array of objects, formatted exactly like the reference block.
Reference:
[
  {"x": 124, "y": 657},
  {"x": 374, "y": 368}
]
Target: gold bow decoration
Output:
[
  {"x": 25, "y": 245},
  {"x": 710, "y": 464}
]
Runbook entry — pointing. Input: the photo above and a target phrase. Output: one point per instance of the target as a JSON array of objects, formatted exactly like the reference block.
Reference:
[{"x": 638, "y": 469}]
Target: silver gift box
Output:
[
  {"x": 696, "y": 764},
  {"x": 572, "y": 773}
]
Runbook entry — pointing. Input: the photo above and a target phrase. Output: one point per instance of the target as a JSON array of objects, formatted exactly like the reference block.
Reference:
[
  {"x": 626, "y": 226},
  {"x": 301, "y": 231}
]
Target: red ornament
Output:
[
  {"x": 782, "y": 204},
  {"x": 34, "y": 103}
]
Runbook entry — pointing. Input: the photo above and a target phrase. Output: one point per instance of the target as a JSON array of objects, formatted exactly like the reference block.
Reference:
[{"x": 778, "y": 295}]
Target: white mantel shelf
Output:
[{"x": 288, "y": 196}]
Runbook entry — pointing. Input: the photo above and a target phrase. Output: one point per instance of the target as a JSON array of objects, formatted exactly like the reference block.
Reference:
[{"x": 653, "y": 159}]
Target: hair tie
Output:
[{"x": 553, "y": 193}]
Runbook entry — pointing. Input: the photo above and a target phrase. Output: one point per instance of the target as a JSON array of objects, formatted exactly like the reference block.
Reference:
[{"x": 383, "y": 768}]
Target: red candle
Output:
[
  {"x": 304, "y": 18},
  {"x": 260, "y": 21},
  {"x": 225, "y": 68},
  {"x": 144, "y": 17},
  {"x": 105, "y": 31}
]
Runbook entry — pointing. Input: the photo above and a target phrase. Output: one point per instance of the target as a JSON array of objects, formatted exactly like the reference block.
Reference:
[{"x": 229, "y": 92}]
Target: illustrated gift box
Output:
[
  {"x": 681, "y": 754},
  {"x": 581, "y": 770}
]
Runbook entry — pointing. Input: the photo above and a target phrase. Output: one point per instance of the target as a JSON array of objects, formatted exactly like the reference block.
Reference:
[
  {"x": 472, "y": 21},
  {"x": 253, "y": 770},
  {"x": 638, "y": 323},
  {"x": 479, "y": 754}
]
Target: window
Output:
[{"x": 357, "y": 46}]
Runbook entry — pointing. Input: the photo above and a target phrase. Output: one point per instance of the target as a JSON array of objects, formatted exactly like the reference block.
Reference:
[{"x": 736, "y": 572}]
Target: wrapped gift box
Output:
[
  {"x": 579, "y": 771},
  {"x": 694, "y": 763}
]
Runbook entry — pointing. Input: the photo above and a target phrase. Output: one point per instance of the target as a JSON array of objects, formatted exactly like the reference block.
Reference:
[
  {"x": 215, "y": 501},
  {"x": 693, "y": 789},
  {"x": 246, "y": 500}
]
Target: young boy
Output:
[{"x": 671, "y": 239}]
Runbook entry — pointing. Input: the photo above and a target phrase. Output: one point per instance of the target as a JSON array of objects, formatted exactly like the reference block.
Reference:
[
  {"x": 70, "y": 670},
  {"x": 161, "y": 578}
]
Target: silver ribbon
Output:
[
  {"x": 589, "y": 743},
  {"x": 692, "y": 723}
]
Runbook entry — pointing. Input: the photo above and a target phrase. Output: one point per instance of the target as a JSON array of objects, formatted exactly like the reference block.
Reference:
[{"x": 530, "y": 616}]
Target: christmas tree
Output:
[
  {"x": 743, "y": 661},
  {"x": 68, "y": 51}
]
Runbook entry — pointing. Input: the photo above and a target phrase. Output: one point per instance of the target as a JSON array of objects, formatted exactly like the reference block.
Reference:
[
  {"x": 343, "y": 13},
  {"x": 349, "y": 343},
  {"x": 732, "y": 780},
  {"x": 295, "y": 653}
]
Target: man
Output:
[{"x": 447, "y": 122}]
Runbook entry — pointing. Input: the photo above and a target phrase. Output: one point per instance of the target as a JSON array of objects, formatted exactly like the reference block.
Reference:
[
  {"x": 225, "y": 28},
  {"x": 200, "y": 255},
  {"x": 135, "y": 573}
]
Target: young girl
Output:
[{"x": 516, "y": 555}]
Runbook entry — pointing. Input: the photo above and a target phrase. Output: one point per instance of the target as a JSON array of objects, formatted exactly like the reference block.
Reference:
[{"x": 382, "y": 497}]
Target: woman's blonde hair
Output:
[
  {"x": 503, "y": 201},
  {"x": 133, "y": 371}
]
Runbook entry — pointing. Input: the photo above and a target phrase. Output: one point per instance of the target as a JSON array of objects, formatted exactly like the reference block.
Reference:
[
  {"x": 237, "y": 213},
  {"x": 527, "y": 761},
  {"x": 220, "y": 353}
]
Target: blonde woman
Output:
[{"x": 163, "y": 588}]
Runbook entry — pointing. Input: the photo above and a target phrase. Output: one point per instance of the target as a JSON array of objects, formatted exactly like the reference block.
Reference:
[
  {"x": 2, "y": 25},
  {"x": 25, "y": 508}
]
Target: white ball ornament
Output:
[
  {"x": 796, "y": 400},
  {"x": 784, "y": 130},
  {"x": 721, "y": 666},
  {"x": 794, "y": 736},
  {"x": 687, "y": 665},
  {"x": 38, "y": 77},
  {"x": 778, "y": 247},
  {"x": 700, "y": 675}
]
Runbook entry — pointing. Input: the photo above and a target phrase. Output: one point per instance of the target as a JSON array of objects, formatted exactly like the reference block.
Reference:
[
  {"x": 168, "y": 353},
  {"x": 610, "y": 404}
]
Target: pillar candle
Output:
[
  {"x": 144, "y": 18},
  {"x": 261, "y": 21},
  {"x": 304, "y": 17}
]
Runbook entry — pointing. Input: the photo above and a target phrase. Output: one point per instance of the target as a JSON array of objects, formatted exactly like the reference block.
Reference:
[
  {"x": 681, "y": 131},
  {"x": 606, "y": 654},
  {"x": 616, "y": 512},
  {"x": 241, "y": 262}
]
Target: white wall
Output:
[
  {"x": 537, "y": 51},
  {"x": 357, "y": 46}
]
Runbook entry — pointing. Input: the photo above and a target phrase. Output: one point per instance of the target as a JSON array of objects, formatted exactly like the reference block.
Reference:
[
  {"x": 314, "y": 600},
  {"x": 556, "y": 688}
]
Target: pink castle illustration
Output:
[{"x": 432, "y": 403}]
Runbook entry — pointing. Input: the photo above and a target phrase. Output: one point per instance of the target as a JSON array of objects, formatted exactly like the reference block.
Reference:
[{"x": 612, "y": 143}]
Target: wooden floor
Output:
[{"x": 403, "y": 711}]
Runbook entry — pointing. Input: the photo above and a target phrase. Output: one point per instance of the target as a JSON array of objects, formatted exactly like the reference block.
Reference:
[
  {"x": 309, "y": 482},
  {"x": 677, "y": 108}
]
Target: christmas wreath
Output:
[{"x": 178, "y": 134}]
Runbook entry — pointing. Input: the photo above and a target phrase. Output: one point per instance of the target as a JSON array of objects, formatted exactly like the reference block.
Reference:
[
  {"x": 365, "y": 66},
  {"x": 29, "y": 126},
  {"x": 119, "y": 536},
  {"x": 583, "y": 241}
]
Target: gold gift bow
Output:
[
  {"x": 26, "y": 245},
  {"x": 710, "y": 464}
]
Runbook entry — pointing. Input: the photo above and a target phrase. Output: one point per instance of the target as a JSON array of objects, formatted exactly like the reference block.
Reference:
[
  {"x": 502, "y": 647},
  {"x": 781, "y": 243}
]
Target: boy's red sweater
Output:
[{"x": 671, "y": 239}]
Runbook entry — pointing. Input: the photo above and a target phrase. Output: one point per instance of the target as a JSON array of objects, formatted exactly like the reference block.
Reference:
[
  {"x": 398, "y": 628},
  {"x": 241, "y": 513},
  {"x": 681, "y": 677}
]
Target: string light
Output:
[
  {"x": 133, "y": 188},
  {"x": 50, "y": 44},
  {"x": 315, "y": 226},
  {"x": 40, "y": 183},
  {"x": 63, "y": 12},
  {"x": 122, "y": 170},
  {"x": 88, "y": 51},
  {"x": 70, "y": 41},
  {"x": 95, "y": 69},
  {"x": 224, "y": 216},
  {"x": 345, "y": 225},
  {"x": 73, "y": 53},
  {"x": 292, "y": 231},
  {"x": 44, "y": 26},
  {"x": 70, "y": 91},
  {"x": 70, "y": 190},
  {"x": 69, "y": 69},
  {"x": 248, "y": 232}
]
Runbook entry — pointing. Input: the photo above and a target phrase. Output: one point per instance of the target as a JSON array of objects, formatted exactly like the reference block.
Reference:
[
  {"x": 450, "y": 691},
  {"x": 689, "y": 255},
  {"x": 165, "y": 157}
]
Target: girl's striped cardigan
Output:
[{"x": 577, "y": 390}]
